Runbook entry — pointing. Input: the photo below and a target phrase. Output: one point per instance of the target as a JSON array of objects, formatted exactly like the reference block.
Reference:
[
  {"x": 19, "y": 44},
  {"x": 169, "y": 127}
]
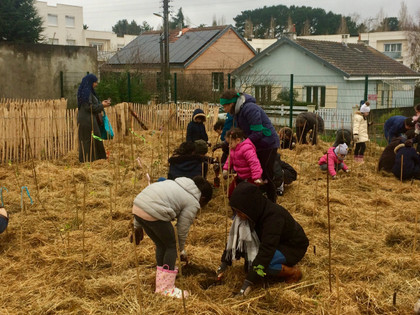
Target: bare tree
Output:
[
  {"x": 249, "y": 29},
  {"x": 378, "y": 23},
  {"x": 343, "y": 26},
  {"x": 412, "y": 30},
  {"x": 404, "y": 18},
  {"x": 306, "y": 30}
]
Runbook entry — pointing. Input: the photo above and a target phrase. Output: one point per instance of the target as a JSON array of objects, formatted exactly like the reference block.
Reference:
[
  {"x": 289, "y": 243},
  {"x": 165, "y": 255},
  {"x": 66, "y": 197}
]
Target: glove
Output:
[
  {"x": 138, "y": 235},
  {"x": 347, "y": 171},
  {"x": 258, "y": 181},
  {"x": 334, "y": 177},
  {"x": 208, "y": 144},
  {"x": 355, "y": 138},
  {"x": 225, "y": 174},
  {"x": 408, "y": 143},
  {"x": 184, "y": 256},
  {"x": 246, "y": 288}
]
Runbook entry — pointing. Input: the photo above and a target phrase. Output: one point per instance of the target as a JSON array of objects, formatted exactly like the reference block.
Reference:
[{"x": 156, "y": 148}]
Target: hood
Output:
[
  {"x": 248, "y": 199},
  {"x": 242, "y": 99},
  {"x": 197, "y": 113},
  {"x": 189, "y": 186}
]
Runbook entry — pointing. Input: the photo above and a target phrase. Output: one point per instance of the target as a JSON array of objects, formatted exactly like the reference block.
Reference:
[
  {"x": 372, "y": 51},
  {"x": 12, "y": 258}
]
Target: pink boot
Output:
[
  {"x": 165, "y": 283},
  {"x": 357, "y": 158}
]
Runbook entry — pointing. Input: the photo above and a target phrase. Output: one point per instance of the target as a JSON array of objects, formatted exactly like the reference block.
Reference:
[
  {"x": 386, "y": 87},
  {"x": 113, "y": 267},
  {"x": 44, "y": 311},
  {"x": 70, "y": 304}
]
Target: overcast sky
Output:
[{"x": 101, "y": 15}]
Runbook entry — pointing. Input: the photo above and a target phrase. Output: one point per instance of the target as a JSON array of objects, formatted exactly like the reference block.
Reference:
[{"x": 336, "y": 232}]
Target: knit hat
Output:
[
  {"x": 341, "y": 149},
  {"x": 364, "y": 109},
  {"x": 201, "y": 147}
]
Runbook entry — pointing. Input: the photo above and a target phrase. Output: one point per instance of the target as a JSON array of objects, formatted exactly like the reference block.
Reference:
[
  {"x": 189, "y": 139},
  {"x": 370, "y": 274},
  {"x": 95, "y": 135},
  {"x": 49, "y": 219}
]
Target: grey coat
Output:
[{"x": 172, "y": 199}]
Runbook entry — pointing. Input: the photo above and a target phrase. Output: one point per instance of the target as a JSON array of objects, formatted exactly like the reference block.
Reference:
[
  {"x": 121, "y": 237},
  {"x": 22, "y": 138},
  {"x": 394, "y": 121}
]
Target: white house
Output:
[{"x": 63, "y": 25}]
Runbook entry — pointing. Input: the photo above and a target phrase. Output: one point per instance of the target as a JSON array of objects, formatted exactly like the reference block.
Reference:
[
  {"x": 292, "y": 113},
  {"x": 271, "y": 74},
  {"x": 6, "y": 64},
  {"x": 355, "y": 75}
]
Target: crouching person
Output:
[
  {"x": 154, "y": 209},
  {"x": 267, "y": 235}
]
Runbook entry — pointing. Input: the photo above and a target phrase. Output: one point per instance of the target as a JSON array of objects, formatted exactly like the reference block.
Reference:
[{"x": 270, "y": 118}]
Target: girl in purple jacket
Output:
[
  {"x": 243, "y": 159},
  {"x": 334, "y": 160}
]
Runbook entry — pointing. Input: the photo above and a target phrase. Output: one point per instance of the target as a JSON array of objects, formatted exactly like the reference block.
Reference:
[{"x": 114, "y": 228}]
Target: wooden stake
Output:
[
  {"x": 111, "y": 224},
  {"x": 137, "y": 270},
  {"x": 83, "y": 228},
  {"x": 179, "y": 267},
  {"x": 329, "y": 228},
  {"x": 402, "y": 161}
]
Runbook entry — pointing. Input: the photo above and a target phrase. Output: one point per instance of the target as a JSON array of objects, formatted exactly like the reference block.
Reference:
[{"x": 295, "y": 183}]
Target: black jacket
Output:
[
  {"x": 187, "y": 166},
  {"x": 410, "y": 165},
  {"x": 197, "y": 130},
  {"x": 274, "y": 225}
]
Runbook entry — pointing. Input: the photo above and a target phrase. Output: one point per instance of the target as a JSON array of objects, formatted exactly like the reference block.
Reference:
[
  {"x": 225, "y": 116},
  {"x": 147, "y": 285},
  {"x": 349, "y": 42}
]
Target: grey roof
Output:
[
  {"x": 146, "y": 49},
  {"x": 349, "y": 60}
]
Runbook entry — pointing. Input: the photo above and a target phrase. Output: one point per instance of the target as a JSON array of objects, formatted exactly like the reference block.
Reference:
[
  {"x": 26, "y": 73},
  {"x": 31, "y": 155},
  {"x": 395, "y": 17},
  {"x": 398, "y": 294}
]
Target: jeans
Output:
[
  {"x": 275, "y": 264},
  {"x": 163, "y": 235},
  {"x": 337, "y": 167}
]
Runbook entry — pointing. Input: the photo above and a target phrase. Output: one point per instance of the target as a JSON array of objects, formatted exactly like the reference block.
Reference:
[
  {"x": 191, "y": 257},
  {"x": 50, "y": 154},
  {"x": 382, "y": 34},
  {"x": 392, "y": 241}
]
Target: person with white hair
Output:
[
  {"x": 360, "y": 132},
  {"x": 333, "y": 160}
]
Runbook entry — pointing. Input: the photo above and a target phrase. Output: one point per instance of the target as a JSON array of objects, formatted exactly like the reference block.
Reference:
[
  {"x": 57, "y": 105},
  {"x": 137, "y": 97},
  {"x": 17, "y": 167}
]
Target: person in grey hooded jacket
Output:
[{"x": 154, "y": 209}]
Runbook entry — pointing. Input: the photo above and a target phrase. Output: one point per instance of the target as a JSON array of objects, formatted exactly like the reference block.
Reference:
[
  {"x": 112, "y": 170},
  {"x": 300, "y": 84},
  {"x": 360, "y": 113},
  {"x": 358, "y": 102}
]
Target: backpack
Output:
[{"x": 283, "y": 172}]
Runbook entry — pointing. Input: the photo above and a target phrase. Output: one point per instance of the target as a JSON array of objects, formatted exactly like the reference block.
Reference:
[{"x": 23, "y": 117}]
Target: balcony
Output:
[{"x": 393, "y": 54}]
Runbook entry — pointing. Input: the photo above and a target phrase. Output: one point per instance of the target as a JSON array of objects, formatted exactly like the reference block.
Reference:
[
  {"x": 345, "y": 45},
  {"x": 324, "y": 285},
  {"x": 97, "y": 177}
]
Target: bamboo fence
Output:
[{"x": 53, "y": 128}]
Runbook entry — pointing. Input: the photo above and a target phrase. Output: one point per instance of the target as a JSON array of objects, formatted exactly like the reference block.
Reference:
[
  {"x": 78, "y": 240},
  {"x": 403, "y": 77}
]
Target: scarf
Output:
[
  {"x": 85, "y": 88},
  {"x": 242, "y": 240}
]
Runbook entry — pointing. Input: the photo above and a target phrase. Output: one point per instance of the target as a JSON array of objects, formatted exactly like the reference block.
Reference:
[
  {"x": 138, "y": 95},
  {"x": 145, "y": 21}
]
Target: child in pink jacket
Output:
[
  {"x": 243, "y": 159},
  {"x": 334, "y": 160}
]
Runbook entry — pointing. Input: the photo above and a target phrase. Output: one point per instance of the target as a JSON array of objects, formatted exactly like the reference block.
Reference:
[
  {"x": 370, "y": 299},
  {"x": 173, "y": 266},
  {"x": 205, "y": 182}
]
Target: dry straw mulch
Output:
[{"x": 69, "y": 252}]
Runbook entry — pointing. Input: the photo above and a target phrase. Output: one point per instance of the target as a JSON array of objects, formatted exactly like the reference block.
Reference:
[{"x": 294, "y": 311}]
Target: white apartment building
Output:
[
  {"x": 63, "y": 25},
  {"x": 393, "y": 44}
]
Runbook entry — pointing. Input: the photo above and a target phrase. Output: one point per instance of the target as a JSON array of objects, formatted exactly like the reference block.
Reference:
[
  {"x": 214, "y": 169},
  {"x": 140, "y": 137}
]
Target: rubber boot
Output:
[
  {"x": 361, "y": 159},
  {"x": 165, "y": 283},
  {"x": 356, "y": 158},
  {"x": 290, "y": 274}
]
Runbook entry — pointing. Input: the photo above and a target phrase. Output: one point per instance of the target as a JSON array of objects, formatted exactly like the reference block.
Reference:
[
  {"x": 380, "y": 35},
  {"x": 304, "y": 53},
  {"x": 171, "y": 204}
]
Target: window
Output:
[
  {"x": 53, "y": 41},
  {"x": 218, "y": 82},
  {"x": 393, "y": 47},
  {"x": 71, "y": 42},
  {"x": 262, "y": 93},
  {"x": 99, "y": 46},
  {"x": 69, "y": 21},
  {"x": 315, "y": 95},
  {"x": 52, "y": 20}
]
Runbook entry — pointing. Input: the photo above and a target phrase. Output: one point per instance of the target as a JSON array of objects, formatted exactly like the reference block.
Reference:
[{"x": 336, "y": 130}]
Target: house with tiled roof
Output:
[
  {"x": 327, "y": 74},
  {"x": 202, "y": 58}
]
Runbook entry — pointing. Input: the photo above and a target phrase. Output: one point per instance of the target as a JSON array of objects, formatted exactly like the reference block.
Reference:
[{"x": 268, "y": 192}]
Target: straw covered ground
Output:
[{"x": 69, "y": 252}]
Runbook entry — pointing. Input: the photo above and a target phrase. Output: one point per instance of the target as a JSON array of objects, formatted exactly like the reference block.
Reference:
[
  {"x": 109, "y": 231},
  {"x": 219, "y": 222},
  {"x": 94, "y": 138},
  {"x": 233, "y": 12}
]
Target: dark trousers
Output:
[
  {"x": 360, "y": 148},
  {"x": 163, "y": 235},
  {"x": 267, "y": 158}
]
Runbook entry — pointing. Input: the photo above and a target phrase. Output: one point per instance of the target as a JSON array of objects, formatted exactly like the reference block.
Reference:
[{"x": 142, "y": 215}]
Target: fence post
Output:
[
  {"x": 175, "y": 89},
  {"x": 129, "y": 86},
  {"x": 62, "y": 84},
  {"x": 228, "y": 81},
  {"x": 291, "y": 102},
  {"x": 366, "y": 88}
]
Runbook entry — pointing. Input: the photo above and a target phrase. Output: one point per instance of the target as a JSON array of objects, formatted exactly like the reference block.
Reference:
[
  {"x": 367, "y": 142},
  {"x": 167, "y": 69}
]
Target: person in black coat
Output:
[
  {"x": 410, "y": 165},
  {"x": 196, "y": 130},
  {"x": 88, "y": 118},
  {"x": 282, "y": 241},
  {"x": 306, "y": 122},
  {"x": 343, "y": 136}
]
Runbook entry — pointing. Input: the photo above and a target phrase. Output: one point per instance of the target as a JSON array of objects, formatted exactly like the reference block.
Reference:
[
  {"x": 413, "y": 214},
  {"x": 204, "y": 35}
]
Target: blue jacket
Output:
[
  {"x": 226, "y": 127},
  {"x": 197, "y": 130},
  {"x": 411, "y": 163},
  {"x": 187, "y": 166},
  {"x": 394, "y": 127},
  {"x": 255, "y": 123}
]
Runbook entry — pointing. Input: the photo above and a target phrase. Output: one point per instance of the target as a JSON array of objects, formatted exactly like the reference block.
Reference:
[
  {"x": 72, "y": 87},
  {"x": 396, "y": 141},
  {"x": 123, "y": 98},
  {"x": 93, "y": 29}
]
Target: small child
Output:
[
  {"x": 360, "y": 132},
  {"x": 334, "y": 159},
  {"x": 407, "y": 162},
  {"x": 287, "y": 140},
  {"x": 196, "y": 130},
  {"x": 243, "y": 159},
  {"x": 154, "y": 209},
  {"x": 4, "y": 219}
]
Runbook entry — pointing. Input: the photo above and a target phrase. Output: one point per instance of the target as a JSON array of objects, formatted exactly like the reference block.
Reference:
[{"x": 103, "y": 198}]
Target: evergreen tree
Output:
[
  {"x": 19, "y": 21},
  {"x": 122, "y": 27},
  {"x": 177, "y": 21}
]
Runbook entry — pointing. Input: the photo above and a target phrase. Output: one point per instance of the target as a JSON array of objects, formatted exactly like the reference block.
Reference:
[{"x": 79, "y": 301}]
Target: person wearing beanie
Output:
[
  {"x": 333, "y": 160},
  {"x": 360, "y": 132},
  {"x": 4, "y": 219}
]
